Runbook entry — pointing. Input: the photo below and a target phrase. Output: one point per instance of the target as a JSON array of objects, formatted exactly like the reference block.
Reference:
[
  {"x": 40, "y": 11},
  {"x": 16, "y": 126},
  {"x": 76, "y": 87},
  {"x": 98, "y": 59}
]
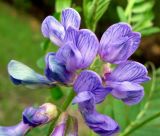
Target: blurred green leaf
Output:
[
  {"x": 56, "y": 93},
  {"x": 150, "y": 31},
  {"x": 60, "y": 5},
  {"x": 143, "y": 7},
  {"x": 93, "y": 11},
  {"x": 44, "y": 45},
  {"x": 139, "y": 14},
  {"x": 41, "y": 62},
  {"x": 121, "y": 14},
  {"x": 148, "y": 119}
]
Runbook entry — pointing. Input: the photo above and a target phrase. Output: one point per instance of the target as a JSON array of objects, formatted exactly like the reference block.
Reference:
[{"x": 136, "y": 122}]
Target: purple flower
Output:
[
  {"x": 118, "y": 43},
  {"x": 32, "y": 117},
  {"x": 78, "y": 52},
  {"x": 56, "y": 71},
  {"x": 55, "y": 30},
  {"x": 40, "y": 115},
  {"x": 22, "y": 74},
  {"x": 90, "y": 91},
  {"x": 125, "y": 82}
]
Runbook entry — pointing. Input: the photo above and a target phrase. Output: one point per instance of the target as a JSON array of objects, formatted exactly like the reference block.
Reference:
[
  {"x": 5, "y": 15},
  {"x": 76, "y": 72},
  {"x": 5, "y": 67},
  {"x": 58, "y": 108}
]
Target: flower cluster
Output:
[{"x": 70, "y": 65}]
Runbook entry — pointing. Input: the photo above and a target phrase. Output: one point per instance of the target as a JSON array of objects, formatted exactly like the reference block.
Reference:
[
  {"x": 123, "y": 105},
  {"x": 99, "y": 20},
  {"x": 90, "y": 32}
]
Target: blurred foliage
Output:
[
  {"x": 136, "y": 119},
  {"x": 93, "y": 11},
  {"x": 139, "y": 13}
]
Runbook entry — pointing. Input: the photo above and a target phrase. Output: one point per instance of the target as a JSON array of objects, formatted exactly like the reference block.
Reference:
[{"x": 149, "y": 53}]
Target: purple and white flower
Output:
[
  {"x": 125, "y": 82},
  {"x": 55, "y": 30},
  {"x": 78, "y": 52},
  {"x": 90, "y": 91},
  {"x": 118, "y": 43}
]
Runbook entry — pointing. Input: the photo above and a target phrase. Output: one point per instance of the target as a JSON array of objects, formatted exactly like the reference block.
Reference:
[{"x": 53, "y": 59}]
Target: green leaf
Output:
[
  {"x": 141, "y": 17},
  {"x": 93, "y": 11},
  {"x": 121, "y": 14},
  {"x": 150, "y": 31},
  {"x": 145, "y": 6},
  {"x": 44, "y": 45},
  {"x": 41, "y": 62},
  {"x": 60, "y": 5},
  {"x": 56, "y": 93}
]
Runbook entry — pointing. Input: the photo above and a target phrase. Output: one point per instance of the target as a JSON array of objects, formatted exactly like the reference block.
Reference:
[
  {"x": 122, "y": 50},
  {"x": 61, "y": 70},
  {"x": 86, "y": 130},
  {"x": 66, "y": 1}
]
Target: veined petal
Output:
[
  {"x": 89, "y": 84},
  {"x": 129, "y": 71},
  {"x": 129, "y": 93},
  {"x": 101, "y": 124},
  {"x": 70, "y": 17},
  {"x": 118, "y": 43},
  {"x": 100, "y": 94},
  {"x": 22, "y": 74},
  {"x": 56, "y": 71},
  {"x": 87, "y": 81},
  {"x": 70, "y": 56},
  {"x": 71, "y": 36},
  {"x": 82, "y": 96},
  {"x": 88, "y": 45},
  {"x": 54, "y": 30}
]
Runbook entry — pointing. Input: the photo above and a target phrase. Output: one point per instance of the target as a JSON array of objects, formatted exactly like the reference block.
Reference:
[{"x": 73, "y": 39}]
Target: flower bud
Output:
[
  {"x": 32, "y": 117},
  {"x": 41, "y": 115}
]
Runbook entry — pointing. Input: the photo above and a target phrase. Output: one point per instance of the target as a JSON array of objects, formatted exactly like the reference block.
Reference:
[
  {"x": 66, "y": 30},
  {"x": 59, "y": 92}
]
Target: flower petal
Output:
[
  {"x": 129, "y": 93},
  {"x": 54, "y": 30},
  {"x": 129, "y": 71},
  {"x": 87, "y": 81},
  {"x": 22, "y": 74},
  {"x": 70, "y": 17},
  {"x": 56, "y": 71},
  {"x": 82, "y": 96},
  {"x": 88, "y": 45},
  {"x": 101, "y": 124},
  {"x": 118, "y": 43},
  {"x": 70, "y": 56},
  {"x": 100, "y": 94}
]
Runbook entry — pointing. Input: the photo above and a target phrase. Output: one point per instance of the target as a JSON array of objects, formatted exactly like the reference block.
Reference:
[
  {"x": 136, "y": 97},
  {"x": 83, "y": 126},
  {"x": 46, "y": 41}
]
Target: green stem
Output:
[
  {"x": 64, "y": 107},
  {"x": 146, "y": 106},
  {"x": 135, "y": 125}
]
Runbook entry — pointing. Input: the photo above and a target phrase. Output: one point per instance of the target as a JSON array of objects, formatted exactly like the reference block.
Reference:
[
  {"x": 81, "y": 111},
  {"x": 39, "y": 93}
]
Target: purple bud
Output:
[
  {"x": 32, "y": 117},
  {"x": 41, "y": 115}
]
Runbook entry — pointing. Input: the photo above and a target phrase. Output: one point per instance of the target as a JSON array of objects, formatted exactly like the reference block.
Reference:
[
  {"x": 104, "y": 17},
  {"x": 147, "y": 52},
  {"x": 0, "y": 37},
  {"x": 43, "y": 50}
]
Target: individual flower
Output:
[
  {"x": 66, "y": 125},
  {"x": 55, "y": 30},
  {"x": 125, "y": 82},
  {"x": 32, "y": 117},
  {"x": 118, "y": 43},
  {"x": 90, "y": 91},
  {"x": 78, "y": 52},
  {"x": 22, "y": 74}
]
